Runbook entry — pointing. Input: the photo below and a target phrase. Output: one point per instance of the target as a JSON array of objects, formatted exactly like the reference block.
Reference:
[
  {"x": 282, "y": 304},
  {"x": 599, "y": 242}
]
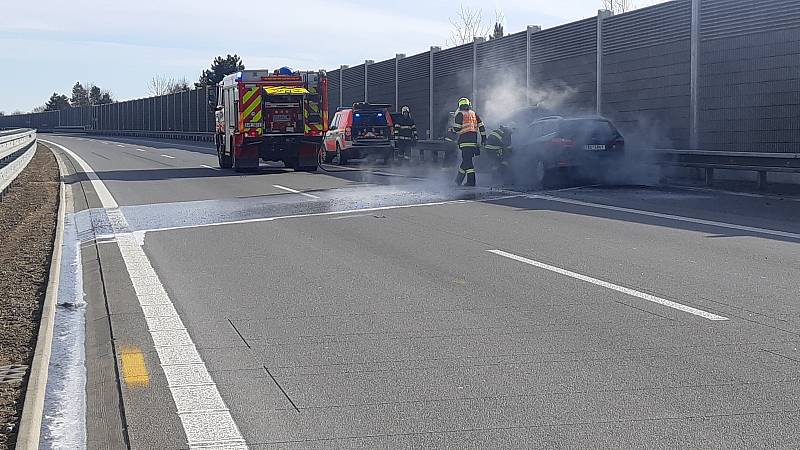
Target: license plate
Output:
[{"x": 594, "y": 147}]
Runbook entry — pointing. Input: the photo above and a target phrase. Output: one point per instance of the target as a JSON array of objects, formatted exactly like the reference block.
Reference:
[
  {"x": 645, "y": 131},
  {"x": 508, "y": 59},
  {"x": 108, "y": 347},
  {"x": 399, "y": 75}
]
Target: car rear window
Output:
[{"x": 600, "y": 129}]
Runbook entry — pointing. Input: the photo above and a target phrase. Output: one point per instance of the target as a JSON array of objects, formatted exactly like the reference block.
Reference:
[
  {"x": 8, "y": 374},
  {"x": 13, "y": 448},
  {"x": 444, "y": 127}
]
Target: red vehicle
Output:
[
  {"x": 271, "y": 116},
  {"x": 365, "y": 130}
]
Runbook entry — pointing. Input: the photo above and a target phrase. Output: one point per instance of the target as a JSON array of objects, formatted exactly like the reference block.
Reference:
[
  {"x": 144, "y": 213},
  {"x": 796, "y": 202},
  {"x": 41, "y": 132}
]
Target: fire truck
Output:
[{"x": 272, "y": 116}]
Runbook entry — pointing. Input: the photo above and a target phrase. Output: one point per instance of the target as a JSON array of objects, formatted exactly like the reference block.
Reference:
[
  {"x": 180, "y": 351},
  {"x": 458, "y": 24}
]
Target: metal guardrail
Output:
[
  {"x": 710, "y": 160},
  {"x": 178, "y": 135},
  {"x": 16, "y": 151}
]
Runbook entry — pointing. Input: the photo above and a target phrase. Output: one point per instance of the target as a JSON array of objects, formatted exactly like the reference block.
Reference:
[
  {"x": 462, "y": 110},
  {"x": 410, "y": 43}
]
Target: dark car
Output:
[
  {"x": 359, "y": 132},
  {"x": 551, "y": 145}
]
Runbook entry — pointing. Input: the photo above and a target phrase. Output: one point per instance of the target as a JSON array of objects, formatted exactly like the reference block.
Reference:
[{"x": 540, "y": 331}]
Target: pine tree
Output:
[
  {"x": 57, "y": 102},
  {"x": 80, "y": 96},
  {"x": 219, "y": 68}
]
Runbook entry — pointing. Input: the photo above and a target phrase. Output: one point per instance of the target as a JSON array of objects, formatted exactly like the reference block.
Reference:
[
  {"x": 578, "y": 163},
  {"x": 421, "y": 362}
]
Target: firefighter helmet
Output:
[
  {"x": 464, "y": 101},
  {"x": 405, "y": 110}
]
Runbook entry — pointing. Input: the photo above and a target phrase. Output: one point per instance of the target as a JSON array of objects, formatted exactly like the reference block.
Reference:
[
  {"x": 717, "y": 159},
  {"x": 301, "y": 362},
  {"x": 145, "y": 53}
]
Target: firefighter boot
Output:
[
  {"x": 471, "y": 178},
  {"x": 460, "y": 177}
]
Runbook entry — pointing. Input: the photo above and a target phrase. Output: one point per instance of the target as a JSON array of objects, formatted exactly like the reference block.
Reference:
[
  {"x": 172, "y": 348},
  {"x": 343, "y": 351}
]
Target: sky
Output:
[{"x": 120, "y": 45}]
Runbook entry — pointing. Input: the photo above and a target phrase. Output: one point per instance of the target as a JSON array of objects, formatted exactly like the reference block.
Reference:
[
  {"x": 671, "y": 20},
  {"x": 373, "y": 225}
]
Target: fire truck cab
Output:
[{"x": 271, "y": 116}]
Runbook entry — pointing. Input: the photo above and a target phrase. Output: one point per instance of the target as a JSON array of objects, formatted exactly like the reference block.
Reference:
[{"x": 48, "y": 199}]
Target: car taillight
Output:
[
  {"x": 252, "y": 133},
  {"x": 348, "y": 133},
  {"x": 562, "y": 142}
]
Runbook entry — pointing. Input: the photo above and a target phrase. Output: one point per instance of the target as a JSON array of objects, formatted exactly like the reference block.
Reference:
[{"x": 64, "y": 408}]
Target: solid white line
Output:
[
  {"x": 352, "y": 216},
  {"x": 294, "y": 191},
  {"x": 612, "y": 286},
  {"x": 712, "y": 223},
  {"x": 167, "y": 156},
  {"x": 209, "y": 167},
  {"x": 172, "y": 346}
]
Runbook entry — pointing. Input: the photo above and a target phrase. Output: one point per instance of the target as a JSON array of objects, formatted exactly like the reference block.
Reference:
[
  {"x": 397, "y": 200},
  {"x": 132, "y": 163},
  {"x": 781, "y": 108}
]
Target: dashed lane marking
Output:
[
  {"x": 141, "y": 149},
  {"x": 167, "y": 156},
  {"x": 612, "y": 286},
  {"x": 209, "y": 167},
  {"x": 294, "y": 191}
]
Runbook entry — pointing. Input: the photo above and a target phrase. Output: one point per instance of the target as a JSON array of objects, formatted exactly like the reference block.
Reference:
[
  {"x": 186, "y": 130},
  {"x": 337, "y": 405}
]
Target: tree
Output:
[
  {"x": 467, "y": 25},
  {"x": 160, "y": 85},
  {"x": 618, "y": 6},
  {"x": 179, "y": 86},
  {"x": 498, "y": 32},
  {"x": 80, "y": 96},
  {"x": 57, "y": 102},
  {"x": 99, "y": 96},
  {"x": 94, "y": 95},
  {"x": 219, "y": 68}
]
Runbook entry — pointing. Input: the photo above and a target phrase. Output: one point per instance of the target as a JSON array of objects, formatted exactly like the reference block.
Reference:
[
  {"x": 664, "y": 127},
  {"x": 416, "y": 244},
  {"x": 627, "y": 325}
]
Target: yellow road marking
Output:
[{"x": 134, "y": 370}]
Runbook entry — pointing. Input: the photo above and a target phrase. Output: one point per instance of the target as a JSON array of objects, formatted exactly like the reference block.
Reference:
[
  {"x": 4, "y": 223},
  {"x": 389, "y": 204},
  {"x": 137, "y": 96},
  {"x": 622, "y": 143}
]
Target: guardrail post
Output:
[
  {"x": 342, "y": 68},
  {"x": 433, "y": 50},
  {"x": 694, "y": 92},
  {"x": 366, "y": 79},
  {"x": 601, "y": 14},
  {"x": 528, "y": 60},
  {"x": 397, "y": 58}
]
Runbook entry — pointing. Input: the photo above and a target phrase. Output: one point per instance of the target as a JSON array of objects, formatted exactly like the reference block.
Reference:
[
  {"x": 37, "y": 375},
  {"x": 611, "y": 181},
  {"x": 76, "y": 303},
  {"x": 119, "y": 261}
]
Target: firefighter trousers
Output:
[
  {"x": 404, "y": 148},
  {"x": 467, "y": 168}
]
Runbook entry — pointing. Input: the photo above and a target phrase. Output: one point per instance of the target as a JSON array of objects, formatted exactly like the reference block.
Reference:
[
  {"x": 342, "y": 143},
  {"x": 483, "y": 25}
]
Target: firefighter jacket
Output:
[
  {"x": 499, "y": 142},
  {"x": 468, "y": 125},
  {"x": 405, "y": 129}
]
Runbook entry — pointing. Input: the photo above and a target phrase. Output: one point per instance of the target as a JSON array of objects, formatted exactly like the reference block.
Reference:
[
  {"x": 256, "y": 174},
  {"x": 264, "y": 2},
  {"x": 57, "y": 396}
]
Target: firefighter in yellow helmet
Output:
[{"x": 468, "y": 125}]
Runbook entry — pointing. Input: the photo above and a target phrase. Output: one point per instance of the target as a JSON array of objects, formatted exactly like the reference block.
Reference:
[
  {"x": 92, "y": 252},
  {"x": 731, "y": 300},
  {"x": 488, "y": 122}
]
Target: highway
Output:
[{"x": 384, "y": 308}]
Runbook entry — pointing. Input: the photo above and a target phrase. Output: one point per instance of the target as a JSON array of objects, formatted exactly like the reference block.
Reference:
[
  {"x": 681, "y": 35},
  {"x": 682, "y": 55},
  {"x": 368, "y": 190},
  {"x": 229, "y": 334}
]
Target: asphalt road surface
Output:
[{"x": 383, "y": 308}]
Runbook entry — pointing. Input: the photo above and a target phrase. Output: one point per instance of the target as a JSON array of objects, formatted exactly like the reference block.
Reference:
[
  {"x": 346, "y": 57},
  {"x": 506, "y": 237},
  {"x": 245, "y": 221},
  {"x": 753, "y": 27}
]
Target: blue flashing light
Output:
[
  {"x": 380, "y": 114},
  {"x": 358, "y": 114},
  {"x": 238, "y": 76}
]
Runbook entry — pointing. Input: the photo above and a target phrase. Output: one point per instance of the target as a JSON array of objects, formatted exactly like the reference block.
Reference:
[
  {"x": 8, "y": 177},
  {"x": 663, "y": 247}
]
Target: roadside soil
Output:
[{"x": 28, "y": 214}]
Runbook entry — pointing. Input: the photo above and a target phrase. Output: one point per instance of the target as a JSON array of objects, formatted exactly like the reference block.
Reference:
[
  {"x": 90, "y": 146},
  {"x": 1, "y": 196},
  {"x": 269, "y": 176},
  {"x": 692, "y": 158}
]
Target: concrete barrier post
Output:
[
  {"x": 694, "y": 92},
  {"x": 430, "y": 91},
  {"x": 528, "y": 60},
  {"x": 397, "y": 59}
]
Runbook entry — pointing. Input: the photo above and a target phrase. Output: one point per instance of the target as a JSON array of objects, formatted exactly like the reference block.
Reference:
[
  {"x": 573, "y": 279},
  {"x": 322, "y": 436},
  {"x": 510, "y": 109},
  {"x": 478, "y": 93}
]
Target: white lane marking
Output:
[
  {"x": 328, "y": 213},
  {"x": 141, "y": 149},
  {"x": 294, "y": 191},
  {"x": 209, "y": 167},
  {"x": 208, "y": 421},
  {"x": 167, "y": 156},
  {"x": 712, "y": 223},
  {"x": 99, "y": 187},
  {"x": 612, "y": 286},
  {"x": 119, "y": 145}
]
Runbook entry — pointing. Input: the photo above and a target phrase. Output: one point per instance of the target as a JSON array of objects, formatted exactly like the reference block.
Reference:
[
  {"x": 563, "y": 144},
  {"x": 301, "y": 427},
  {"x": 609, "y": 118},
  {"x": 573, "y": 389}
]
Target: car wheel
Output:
[{"x": 340, "y": 158}]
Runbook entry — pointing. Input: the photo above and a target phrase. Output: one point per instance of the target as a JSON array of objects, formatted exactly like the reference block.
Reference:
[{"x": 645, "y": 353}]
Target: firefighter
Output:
[
  {"x": 498, "y": 147},
  {"x": 405, "y": 133},
  {"x": 467, "y": 126}
]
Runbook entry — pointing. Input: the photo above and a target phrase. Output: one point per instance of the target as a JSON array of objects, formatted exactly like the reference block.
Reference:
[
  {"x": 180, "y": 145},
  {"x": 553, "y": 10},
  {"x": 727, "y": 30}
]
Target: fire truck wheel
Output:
[{"x": 224, "y": 160}]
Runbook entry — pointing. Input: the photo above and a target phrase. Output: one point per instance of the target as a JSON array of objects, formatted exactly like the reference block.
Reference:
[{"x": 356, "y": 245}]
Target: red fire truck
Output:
[{"x": 272, "y": 116}]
